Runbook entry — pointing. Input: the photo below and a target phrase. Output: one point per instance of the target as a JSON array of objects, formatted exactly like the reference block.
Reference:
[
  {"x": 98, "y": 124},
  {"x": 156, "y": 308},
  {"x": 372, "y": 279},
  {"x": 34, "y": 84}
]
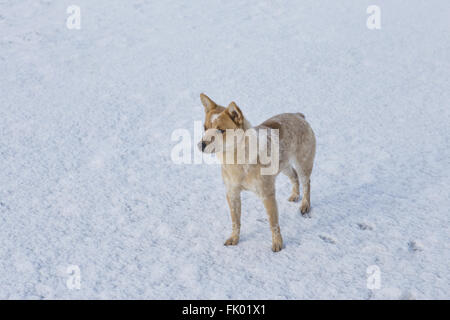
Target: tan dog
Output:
[{"x": 297, "y": 145}]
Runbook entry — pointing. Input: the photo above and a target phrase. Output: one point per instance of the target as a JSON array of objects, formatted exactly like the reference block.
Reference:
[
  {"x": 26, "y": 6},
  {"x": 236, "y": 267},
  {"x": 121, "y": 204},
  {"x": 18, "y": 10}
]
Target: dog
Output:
[{"x": 296, "y": 152}]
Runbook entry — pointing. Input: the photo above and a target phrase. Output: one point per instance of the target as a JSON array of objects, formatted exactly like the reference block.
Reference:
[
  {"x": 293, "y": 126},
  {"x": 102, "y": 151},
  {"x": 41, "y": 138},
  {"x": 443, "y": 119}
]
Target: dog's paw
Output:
[
  {"x": 294, "y": 198},
  {"x": 277, "y": 245},
  {"x": 232, "y": 241},
  {"x": 304, "y": 207}
]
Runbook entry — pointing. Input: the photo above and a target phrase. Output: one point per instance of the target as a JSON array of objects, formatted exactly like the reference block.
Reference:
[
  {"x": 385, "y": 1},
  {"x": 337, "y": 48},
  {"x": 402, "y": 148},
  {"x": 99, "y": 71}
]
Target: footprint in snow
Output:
[
  {"x": 364, "y": 226},
  {"x": 414, "y": 246},
  {"x": 327, "y": 239}
]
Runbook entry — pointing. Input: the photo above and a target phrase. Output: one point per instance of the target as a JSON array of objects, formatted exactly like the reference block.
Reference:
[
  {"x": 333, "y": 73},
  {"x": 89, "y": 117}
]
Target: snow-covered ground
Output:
[{"x": 86, "y": 177}]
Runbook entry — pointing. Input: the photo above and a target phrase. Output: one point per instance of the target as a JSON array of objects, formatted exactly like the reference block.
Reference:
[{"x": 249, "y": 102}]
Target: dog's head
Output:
[{"x": 218, "y": 120}]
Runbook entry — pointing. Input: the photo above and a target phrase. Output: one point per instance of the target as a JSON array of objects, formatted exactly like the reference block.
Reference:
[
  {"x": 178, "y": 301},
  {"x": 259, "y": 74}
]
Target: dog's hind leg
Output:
[
  {"x": 306, "y": 199},
  {"x": 292, "y": 175},
  {"x": 303, "y": 163},
  {"x": 304, "y": 171}
]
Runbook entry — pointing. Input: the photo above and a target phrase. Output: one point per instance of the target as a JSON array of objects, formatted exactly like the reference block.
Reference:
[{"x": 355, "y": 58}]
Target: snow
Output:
[{"x": 87, "y": 180}]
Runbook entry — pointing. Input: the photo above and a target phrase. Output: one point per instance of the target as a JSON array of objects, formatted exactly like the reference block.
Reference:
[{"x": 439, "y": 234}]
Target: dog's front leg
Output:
[
  {"x": 234, "y": 201},
  {"x": 270, "y": 203}
]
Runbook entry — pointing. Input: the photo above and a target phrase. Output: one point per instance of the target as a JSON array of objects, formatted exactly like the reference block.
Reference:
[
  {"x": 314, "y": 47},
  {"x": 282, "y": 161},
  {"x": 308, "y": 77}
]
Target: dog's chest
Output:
[
  {"x": 243, "y": 178},
  {"x": 250, "y": 183}
]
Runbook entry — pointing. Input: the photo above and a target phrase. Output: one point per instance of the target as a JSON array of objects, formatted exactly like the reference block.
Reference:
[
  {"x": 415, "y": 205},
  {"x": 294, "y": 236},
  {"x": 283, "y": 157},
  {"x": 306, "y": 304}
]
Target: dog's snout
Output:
[{"x": 203, "y": 145}]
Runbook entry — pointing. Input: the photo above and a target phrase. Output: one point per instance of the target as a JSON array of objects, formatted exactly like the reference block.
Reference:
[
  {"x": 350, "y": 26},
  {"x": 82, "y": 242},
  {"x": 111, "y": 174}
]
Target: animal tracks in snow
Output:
[
  {"x": 327, "y": 239},
  {"x": 364, "y": 226},
  {"x": 414, "y": 246}
]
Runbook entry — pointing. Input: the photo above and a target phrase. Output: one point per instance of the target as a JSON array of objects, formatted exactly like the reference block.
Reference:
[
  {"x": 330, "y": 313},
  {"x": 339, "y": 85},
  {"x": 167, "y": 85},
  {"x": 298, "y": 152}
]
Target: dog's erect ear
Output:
[
  {"x": 207, "y": 102},
  {"x": 235, "y": 113}
]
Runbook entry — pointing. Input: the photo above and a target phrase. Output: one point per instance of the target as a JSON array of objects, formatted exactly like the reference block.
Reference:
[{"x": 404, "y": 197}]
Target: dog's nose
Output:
[{"x": 201, "y": 146}]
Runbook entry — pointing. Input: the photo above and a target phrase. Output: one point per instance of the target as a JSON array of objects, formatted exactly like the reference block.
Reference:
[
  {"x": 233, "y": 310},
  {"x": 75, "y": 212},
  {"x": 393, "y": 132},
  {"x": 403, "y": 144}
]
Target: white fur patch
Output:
[{"x": 214, "y": 117}]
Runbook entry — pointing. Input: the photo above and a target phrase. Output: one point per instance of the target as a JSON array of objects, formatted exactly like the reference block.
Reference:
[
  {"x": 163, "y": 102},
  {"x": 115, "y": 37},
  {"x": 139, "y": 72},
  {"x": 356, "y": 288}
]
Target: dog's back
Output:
[{"x": 296, "y": 138}]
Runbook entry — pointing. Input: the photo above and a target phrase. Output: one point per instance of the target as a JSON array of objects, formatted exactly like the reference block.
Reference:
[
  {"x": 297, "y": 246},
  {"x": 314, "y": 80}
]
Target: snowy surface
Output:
[{"x": 86, "y": 177}]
